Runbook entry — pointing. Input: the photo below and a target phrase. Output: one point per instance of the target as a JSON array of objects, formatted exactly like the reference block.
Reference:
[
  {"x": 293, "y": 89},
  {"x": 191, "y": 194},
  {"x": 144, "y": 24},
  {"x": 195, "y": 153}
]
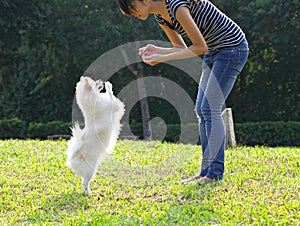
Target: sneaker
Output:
[{"x": 186, "y": 181}]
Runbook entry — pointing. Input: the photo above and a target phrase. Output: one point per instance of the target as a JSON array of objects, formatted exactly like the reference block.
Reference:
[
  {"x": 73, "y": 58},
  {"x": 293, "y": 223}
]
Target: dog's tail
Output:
[{"x": 75, "y": 143}]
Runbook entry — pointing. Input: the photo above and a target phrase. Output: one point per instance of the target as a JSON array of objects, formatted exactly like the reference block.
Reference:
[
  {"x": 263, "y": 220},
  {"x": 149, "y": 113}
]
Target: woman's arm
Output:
[
  {"x": 184, "y": 17},
  {"x": 179, "y": 51},
  {"x": 173, "y": 37}
]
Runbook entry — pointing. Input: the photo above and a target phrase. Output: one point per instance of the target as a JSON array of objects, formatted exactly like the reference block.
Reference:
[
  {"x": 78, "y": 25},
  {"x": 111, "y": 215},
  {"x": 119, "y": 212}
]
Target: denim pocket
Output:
[
  {"x": 235, "y": 57},
  {"x": 242, "y": 55}
]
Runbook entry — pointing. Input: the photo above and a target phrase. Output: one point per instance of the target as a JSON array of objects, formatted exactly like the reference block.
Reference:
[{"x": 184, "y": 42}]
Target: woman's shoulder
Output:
[
  {"x": 176, "y": 2},
  {"x": 173, "y": 5}
]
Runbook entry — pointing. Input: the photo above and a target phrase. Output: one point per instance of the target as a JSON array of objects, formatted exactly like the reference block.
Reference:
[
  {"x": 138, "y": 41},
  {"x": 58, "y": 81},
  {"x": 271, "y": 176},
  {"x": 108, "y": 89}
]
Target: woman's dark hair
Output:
[{"x": 126, "y": 6}]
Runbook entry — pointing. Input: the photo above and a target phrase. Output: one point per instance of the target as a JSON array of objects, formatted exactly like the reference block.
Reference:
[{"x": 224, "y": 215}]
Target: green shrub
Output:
[
  {"x": 43, "y": 130},
  {"x": 12, "y": 128},
  {"x": 268, "y": 133},
  {"x": 249, "y": 133}
]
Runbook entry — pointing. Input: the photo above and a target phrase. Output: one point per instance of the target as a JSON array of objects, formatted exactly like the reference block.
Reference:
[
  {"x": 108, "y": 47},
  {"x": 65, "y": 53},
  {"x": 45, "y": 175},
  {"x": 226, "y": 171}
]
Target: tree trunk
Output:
[{"x": 138, "y": 72}]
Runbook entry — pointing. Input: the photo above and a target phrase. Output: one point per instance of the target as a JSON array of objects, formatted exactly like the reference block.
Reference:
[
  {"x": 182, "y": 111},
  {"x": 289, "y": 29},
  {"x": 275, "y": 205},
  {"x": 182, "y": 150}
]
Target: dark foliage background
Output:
[{"x": 45, "y": 46}]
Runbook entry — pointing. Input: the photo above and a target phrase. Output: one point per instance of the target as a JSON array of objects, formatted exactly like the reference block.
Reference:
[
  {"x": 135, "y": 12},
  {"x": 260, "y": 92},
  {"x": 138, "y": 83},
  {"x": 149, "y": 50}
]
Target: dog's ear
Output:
[{"x": 87, "y": 84}]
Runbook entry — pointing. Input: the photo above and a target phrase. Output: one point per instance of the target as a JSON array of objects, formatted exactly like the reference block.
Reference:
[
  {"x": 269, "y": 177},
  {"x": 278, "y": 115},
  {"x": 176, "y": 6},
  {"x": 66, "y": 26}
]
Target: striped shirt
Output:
[{"x": 218, "y": 30}]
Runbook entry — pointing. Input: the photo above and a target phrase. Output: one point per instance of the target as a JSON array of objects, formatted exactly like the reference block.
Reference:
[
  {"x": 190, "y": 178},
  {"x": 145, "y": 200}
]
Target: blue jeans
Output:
[{"x": 220, "y": 69}]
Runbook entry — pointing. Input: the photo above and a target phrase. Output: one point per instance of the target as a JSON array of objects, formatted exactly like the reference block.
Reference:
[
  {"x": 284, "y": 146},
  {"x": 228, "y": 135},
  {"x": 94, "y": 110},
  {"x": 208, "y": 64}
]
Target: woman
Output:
[{"x": 225, "y": 50}]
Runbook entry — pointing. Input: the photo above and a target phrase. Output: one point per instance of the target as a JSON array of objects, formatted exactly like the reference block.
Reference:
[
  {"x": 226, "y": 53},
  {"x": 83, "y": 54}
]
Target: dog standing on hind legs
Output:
[{"x": 102, "y": 113}]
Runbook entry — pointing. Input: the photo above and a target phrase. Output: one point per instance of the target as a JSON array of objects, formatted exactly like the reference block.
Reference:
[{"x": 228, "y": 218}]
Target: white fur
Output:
[{"x": 102, "y": 114}]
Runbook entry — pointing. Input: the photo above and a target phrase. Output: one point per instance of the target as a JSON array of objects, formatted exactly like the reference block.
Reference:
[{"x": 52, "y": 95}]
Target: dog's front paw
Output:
[
  {"x": 108, "y": 87},
  {"x": 99, "y": 85}
]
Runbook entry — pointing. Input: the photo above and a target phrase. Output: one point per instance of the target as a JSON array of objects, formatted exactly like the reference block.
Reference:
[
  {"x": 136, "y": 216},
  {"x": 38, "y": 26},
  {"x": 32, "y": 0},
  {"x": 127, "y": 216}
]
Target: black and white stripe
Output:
[{"x": 218, "y": 30}]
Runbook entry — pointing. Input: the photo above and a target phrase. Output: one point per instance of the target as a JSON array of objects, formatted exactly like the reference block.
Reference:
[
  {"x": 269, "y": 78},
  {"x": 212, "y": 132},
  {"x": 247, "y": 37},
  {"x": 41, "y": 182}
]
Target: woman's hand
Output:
[
  {"x": 148, "y": 50},
  {"x": 152, "y": 59},
  {"x": 150, "y": 54}
]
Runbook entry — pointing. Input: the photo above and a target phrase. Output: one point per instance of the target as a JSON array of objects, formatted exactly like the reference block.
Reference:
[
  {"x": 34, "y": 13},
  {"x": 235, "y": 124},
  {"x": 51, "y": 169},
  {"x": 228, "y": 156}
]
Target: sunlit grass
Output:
[{"x": 139, "y": 185}]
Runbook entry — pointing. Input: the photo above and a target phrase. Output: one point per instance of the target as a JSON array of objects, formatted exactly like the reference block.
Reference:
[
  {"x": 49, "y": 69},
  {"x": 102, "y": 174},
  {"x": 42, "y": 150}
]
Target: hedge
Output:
[
  {"x": 268, "y": 133},
  {"x": 43, "y": 130},
  {"x": 17, "y": 129},
  {"x": 12, "y": 128},
  {"x": 250, "y": 133}
]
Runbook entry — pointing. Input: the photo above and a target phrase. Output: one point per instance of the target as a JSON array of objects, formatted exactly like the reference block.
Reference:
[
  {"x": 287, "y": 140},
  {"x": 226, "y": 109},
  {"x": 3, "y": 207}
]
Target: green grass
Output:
[{"x": 139, "y": 186}]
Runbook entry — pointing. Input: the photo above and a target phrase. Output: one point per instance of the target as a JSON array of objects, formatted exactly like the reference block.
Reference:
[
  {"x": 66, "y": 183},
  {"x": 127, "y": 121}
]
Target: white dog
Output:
[{"x": 102, "y": 113}]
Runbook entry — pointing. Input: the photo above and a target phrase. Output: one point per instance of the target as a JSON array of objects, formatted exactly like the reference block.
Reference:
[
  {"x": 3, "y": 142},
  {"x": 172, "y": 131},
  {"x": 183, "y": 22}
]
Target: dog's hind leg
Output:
[{"x": 86, "y": 184}]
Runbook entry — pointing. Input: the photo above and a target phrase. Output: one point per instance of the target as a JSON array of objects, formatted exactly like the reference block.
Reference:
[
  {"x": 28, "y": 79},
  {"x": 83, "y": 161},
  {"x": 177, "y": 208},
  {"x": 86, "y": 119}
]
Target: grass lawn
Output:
[{"x": 139, "y": 186}]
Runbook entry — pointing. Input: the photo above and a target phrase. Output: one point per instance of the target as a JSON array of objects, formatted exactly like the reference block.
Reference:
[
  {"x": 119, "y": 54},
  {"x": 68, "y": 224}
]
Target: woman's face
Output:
[{"x": 141, "y": 9}]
